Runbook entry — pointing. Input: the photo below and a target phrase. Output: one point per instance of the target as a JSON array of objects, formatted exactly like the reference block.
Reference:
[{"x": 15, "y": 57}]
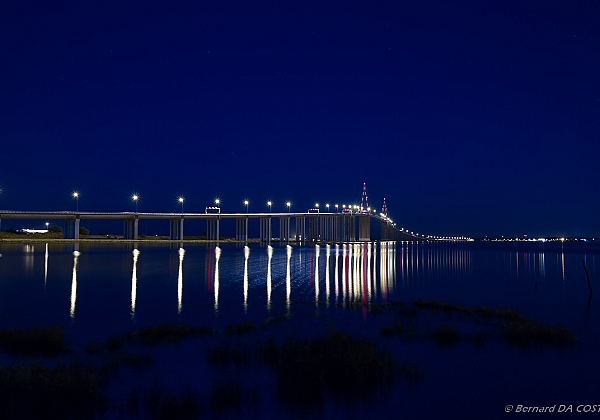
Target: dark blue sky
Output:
[{"x": 471, "y": 117}]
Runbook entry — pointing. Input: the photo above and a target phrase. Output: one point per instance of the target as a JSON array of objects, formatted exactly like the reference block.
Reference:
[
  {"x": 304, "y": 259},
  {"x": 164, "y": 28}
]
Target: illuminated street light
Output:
[
  {"x": 76, "y": 197},
  {"x": 217, "y": 202},
  {"x": 246, "y": 202},
  {"x": 47, "y": 224},
  {"x": 180, "y": 199},
  {"x": 288, "y": 204},
  {"x": 135, "y": 199},
  {"x": 336, "y": 208},
  {"x": 269, "y": 203},
  {"x": 327, "y": 205}
]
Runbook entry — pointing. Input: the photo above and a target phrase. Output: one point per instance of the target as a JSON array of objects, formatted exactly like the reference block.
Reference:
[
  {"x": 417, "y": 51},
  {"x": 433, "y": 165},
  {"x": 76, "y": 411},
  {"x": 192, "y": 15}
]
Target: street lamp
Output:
[
  {"x": 246, "y": 202},
  {"x": 327, "y": 205},
  {"x": 47, "y": 228},
  {"x": 269, "y": 203},
  {"x": 336, "y": 208},
  {"x": 180, "y": 199},
  {"x": 76, "y": 197},
  {"x": 135, "y": 199},
  {"x": 217, "y": 202},
  {"x": 288, "y": 204}
]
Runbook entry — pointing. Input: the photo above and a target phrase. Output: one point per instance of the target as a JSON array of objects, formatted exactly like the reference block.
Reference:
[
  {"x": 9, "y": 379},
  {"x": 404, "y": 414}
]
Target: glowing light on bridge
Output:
[
  {"x": 76, "y": 197},
  {"x": 180, "y": 201},
  {"x": 135, "y": 198}
]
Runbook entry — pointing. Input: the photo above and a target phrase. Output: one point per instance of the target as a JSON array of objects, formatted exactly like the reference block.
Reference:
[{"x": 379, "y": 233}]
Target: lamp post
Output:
[
  {"x": 317, "y": 207},
  {"x": 336, "y": 208},
  {"x": 180, "y": 199},
  {"x": 327, "y": 205},
  {"x": 76, "y": 197},
  {"x": 135, "y": 199},
  {"x": 47, "y": 228},
  {"x": 217, "y": 202},
  {"x": 269, "y": 203},
  {"x": 246, "y": 202},
  {"x": 288, "y": 204}
]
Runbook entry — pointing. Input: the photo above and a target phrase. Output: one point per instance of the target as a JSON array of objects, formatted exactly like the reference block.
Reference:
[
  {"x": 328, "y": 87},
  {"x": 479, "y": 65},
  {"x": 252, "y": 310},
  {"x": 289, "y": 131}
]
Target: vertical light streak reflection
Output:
[
  {"x": 246, "y": 256},
  {"x": 136, "y": 254},
  {"x": 368, "y": 273},
  {"x": 562, "y": 263},
  {"x": 46, "y": 267},
  {"x": 344, "y": 270},
  {"x": 181, "y": 253},
  {"x": 288, "y": 277},
  {"x": 328, "y": 254},
  {"x": 336, "y": 277},
  {"x": 217, "y": 257},
  {"x": 74, "y": 283},
  {"x": 269, "y": 257},
  {"x": 317, "y": 253}
]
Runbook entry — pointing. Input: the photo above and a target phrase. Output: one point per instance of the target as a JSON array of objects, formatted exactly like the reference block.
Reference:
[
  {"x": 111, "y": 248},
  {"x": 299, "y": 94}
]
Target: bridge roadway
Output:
[{"x": 322, "y": 226}]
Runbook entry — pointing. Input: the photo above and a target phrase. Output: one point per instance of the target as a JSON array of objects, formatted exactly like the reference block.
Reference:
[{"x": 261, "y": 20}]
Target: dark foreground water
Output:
[{"x": 95, "y": 291}]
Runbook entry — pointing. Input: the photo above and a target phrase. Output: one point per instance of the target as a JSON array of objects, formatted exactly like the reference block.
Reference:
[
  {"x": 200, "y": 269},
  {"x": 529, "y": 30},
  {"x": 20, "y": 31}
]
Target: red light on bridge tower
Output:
[
  {"x": 364, "y": 202},
  {"x": 384, "y": 209}
]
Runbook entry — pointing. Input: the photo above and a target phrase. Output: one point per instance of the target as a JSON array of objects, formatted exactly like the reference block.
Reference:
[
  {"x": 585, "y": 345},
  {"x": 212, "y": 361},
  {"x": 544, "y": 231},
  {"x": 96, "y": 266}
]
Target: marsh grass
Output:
[
  {"x": 161, "y": 404},
  {"x": 273, "y": 319},
  {"x": 45, "y": 341},
  {"x": 445, "y": 336},
  {"x": 526, "y": 332},
  {"x": 37, "y": 391},
  {"x": 337, "y": 363},
  {"x": 240, "y": 328},
  {"x": 224, "y": 354},
  {"x": 152, "y": 336}
]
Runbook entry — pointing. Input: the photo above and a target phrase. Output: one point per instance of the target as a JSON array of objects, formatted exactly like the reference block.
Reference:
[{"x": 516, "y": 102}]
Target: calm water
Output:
[{"x": 96, "y": 290}]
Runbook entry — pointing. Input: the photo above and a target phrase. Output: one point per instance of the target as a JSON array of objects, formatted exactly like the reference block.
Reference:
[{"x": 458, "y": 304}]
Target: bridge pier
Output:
[
  {"x": 284, "y": 229},
  {"x": 212, "y": 229},
  {"x": 300, "y": 229},
  {"x": 130, "y": 229},
  {"x": 176, "y": 231},
  {"x": 265, "y": 229},
  {"x": 241, "y": 229},
  {"x": 313, "y": 228},
  {"x": 364, "y": 228},
  {"x": 72, "y": 228}
]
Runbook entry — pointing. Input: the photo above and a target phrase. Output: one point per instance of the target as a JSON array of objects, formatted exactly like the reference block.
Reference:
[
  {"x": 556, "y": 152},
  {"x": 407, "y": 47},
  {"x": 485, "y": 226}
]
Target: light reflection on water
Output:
[{"x": 544, "y": 279}]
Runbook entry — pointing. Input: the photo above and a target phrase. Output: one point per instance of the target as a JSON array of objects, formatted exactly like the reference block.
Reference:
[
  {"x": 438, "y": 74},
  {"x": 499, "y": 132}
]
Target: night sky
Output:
[{"x": 471, "y": 117}]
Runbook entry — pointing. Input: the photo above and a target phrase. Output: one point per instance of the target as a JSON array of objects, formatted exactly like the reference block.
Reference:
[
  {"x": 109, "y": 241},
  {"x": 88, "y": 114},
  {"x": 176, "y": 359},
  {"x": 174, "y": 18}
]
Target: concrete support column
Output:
[
  {"x": 265, "y": 229},
  {"x": 352, "y": 228},
  {"x": 212, "y": 229},
  {"x": 72, "y": 228},
  {"x": 176, "y": 231},
  {"x": 385, "y": 230},
  {"x": 338, "y": 228},
  {"x": 300, "y": 228},
  {"x": 364, "y": 228},
  {"x": 241, "y": 229},
  {"x": 313, "y": 228},
  {"x": 284, "y": 229},
  {"x": 130, "y": 229}
]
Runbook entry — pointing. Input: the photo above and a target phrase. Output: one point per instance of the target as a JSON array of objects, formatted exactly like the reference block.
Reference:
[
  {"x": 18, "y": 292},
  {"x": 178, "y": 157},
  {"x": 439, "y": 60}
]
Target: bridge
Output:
[
  {"x": 346, "y": 226},
  {"x": 352, "y": 223}
]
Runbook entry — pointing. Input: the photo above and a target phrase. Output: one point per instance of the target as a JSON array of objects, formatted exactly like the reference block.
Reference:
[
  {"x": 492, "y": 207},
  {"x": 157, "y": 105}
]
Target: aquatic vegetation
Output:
[
  {"x": 273, "y": 319},
  {"x": 524, "y": 333},
  {"x": 151, "y": 336},
  {"x": 240, "y": 328},
  {"x": 446, "y": 335},
  {"x": 37, "y": 391},
  {"x": 45, "y": 341},
  {"x": 162, "y": 404},
  {"x": 227, "y": 396},
  {"x": 224, "y": 354}
]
